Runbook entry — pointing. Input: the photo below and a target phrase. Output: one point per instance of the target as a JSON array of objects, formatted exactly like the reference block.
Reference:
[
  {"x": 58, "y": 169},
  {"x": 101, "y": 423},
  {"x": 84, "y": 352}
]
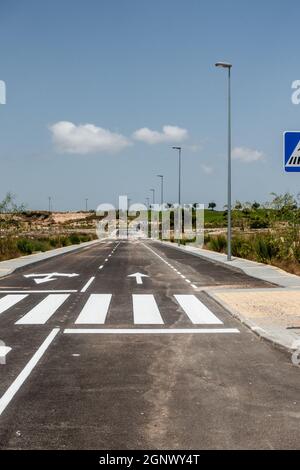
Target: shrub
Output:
[
  {"x": 218, "y": 243},
  {"x": 74, "y": 239},
  {"x": 25, "y": 246}
]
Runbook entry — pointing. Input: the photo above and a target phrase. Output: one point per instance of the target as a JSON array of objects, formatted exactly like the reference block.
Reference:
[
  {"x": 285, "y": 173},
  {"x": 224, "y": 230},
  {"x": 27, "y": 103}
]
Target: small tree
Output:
[
  {"x": 238, "y": 205},
  {"x": 212, "y": 205},
  {"x": 8, "y": 205},
  {"x": 255, "y": 205}
]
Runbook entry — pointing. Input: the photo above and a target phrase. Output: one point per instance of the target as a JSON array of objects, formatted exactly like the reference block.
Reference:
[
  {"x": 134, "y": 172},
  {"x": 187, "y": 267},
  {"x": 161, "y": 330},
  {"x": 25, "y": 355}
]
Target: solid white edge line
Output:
[
  {"x": 24, "y": 374},
  {"x": 135, "y": 331},
  {"x": 87, "y": 285}
]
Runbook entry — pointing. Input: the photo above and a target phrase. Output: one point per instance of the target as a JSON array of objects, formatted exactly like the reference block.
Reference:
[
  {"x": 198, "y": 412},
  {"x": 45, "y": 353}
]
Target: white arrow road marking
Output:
[
  {"x": 44, "y": 310},
  {"x": 95, "y": 309},
  {"x": 10, "y": 300},
  {"x": 138, "y": 277},
  {"x": 4, "y": 350},
  {"x": 196, "y": 311},
  {"x": 18, "y": 382},
  {"x": 48, "y": 277},
  {"x": 145, "y": 310}
]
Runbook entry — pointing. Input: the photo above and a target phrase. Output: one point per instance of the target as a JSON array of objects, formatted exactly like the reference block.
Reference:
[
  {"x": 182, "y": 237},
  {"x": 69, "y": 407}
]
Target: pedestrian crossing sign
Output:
[{"x": 291, "y": 150}]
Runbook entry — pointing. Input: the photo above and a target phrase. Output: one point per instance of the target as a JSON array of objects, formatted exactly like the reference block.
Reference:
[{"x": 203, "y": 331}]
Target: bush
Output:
[
  {"x": 25, "y": 246},
  {"x": 74, "y": 239},
  {"x": 259, "y": 223},
  {"x": 218, "y": 243}
]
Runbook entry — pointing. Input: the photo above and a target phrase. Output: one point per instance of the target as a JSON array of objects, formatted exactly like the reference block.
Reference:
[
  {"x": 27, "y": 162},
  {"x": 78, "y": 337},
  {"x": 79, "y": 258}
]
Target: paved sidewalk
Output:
[
  {"x": 9, "y": 266},
  {"x": 274, "y": 314}
]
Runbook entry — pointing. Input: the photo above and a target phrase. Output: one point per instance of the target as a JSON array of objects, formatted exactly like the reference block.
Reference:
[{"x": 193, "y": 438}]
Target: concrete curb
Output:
[
  {"x": 254, "y": 269},
  {"x": 286, "y": 282},
  {"x": 279, "y": 342},
  {"x": 9, "y": 266}
]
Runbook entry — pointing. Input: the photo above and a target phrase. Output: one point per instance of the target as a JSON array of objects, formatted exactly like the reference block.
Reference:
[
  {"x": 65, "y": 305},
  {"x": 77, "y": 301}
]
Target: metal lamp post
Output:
[{"x": 228, "y": 66}]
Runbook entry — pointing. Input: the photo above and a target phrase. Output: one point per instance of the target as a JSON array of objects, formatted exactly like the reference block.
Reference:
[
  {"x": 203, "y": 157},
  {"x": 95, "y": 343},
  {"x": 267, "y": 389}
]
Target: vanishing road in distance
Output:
[{"x": 118, "y": 345}]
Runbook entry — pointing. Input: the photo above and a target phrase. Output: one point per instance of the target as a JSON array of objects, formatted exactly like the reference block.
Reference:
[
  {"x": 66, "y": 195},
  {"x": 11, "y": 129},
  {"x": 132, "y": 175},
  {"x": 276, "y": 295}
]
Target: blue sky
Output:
[{"x": 122, "y": 66}]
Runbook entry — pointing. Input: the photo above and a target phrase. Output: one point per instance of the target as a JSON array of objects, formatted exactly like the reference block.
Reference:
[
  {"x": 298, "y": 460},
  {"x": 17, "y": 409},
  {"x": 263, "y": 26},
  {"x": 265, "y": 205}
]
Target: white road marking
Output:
[
  {"x": 4, "y": 350},
  {"x": 44, "y": 310},
  {"x": 101, "y": 267},
  {"x": 145, "y": 310},
  {"x": 87, "y": 285},
  {"x": 50, "y": 291},
  {"x": 95, "y": 309},
  {"x": 105, "y": 260},
  {"x": 197, "y": 312},
  {"x": 10, "y": 300},
  {"x": 170, "y": 266},
  {"x": 146, "y": 331},
  {"x": 48, "y": 277},
  {"x": 138, "y": 277},
  {"x": 24, "y": 374}
]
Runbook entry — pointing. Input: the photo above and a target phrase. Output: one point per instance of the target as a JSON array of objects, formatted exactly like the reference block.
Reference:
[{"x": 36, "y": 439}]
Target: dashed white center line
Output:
[
  {"x": 101, "y": 267},
  {"x": 172, "y": 267},
  {"x": 87, "y": 285}
]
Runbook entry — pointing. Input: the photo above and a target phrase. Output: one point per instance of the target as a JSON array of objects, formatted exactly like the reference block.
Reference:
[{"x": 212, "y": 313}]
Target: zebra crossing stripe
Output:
[
  {"x": 10, "y": 300},
  {"x": 95, "y": 309},
  {"x": 145, "y": 310},
  {"x": 197, "y": 312},
  {"x": 41, "y": 313}
]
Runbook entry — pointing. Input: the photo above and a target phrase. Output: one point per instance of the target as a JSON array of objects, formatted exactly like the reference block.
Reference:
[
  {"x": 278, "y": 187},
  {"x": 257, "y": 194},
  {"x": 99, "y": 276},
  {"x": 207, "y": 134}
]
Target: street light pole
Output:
[
  {"x": 179, "y": 189},
  {"x": 153, "y": 195},
  {"x": 179, "y": 173},
  {"x": 161, "y": 190},
  {"x": 228, "y": 66},
  {"x": 49, "y": 203},
  {"x": 86, "y": 204}
]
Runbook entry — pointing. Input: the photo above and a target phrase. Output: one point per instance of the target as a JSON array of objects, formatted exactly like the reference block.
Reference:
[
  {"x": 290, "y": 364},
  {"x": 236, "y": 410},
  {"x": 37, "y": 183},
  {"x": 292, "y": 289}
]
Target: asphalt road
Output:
[{"x": 100, "y": 361}]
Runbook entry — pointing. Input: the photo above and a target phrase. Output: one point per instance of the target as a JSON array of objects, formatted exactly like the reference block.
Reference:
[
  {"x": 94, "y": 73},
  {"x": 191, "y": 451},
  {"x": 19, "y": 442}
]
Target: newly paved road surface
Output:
[{"x": 105, "y": 360}]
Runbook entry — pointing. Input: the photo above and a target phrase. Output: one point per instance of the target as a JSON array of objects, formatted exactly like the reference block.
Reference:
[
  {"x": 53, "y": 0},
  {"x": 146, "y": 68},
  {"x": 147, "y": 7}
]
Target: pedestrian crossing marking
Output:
[
  {"x": 145, "y": 310},
  {"x": 41, "y": 313},
  {"x": 10, "y": 300},
  {"x": 95, "y": 309},
  {"x": 197, "y": 312}
]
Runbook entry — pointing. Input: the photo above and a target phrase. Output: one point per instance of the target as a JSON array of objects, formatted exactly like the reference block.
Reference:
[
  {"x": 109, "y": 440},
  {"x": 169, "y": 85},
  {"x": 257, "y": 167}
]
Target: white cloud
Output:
[
  {"x": 195, "y": 148},
  {"x": 169, "y": 134},
  {"x": 207, "y": 168},
  {"x": 86, "y": 138},
  {"x": 247, "y": 155}
]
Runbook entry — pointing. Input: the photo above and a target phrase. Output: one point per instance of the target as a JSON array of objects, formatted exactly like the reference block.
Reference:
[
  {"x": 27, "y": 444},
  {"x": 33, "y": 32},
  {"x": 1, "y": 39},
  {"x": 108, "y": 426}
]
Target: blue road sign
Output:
[{"x": 291, "y": 151}]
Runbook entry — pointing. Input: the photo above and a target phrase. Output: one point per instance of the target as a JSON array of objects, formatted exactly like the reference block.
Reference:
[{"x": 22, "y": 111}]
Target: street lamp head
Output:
[
  {"x": 176, "y": 148},
  {"x": 225, "y": 65},
  {"x": 160, "y": 176}
]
